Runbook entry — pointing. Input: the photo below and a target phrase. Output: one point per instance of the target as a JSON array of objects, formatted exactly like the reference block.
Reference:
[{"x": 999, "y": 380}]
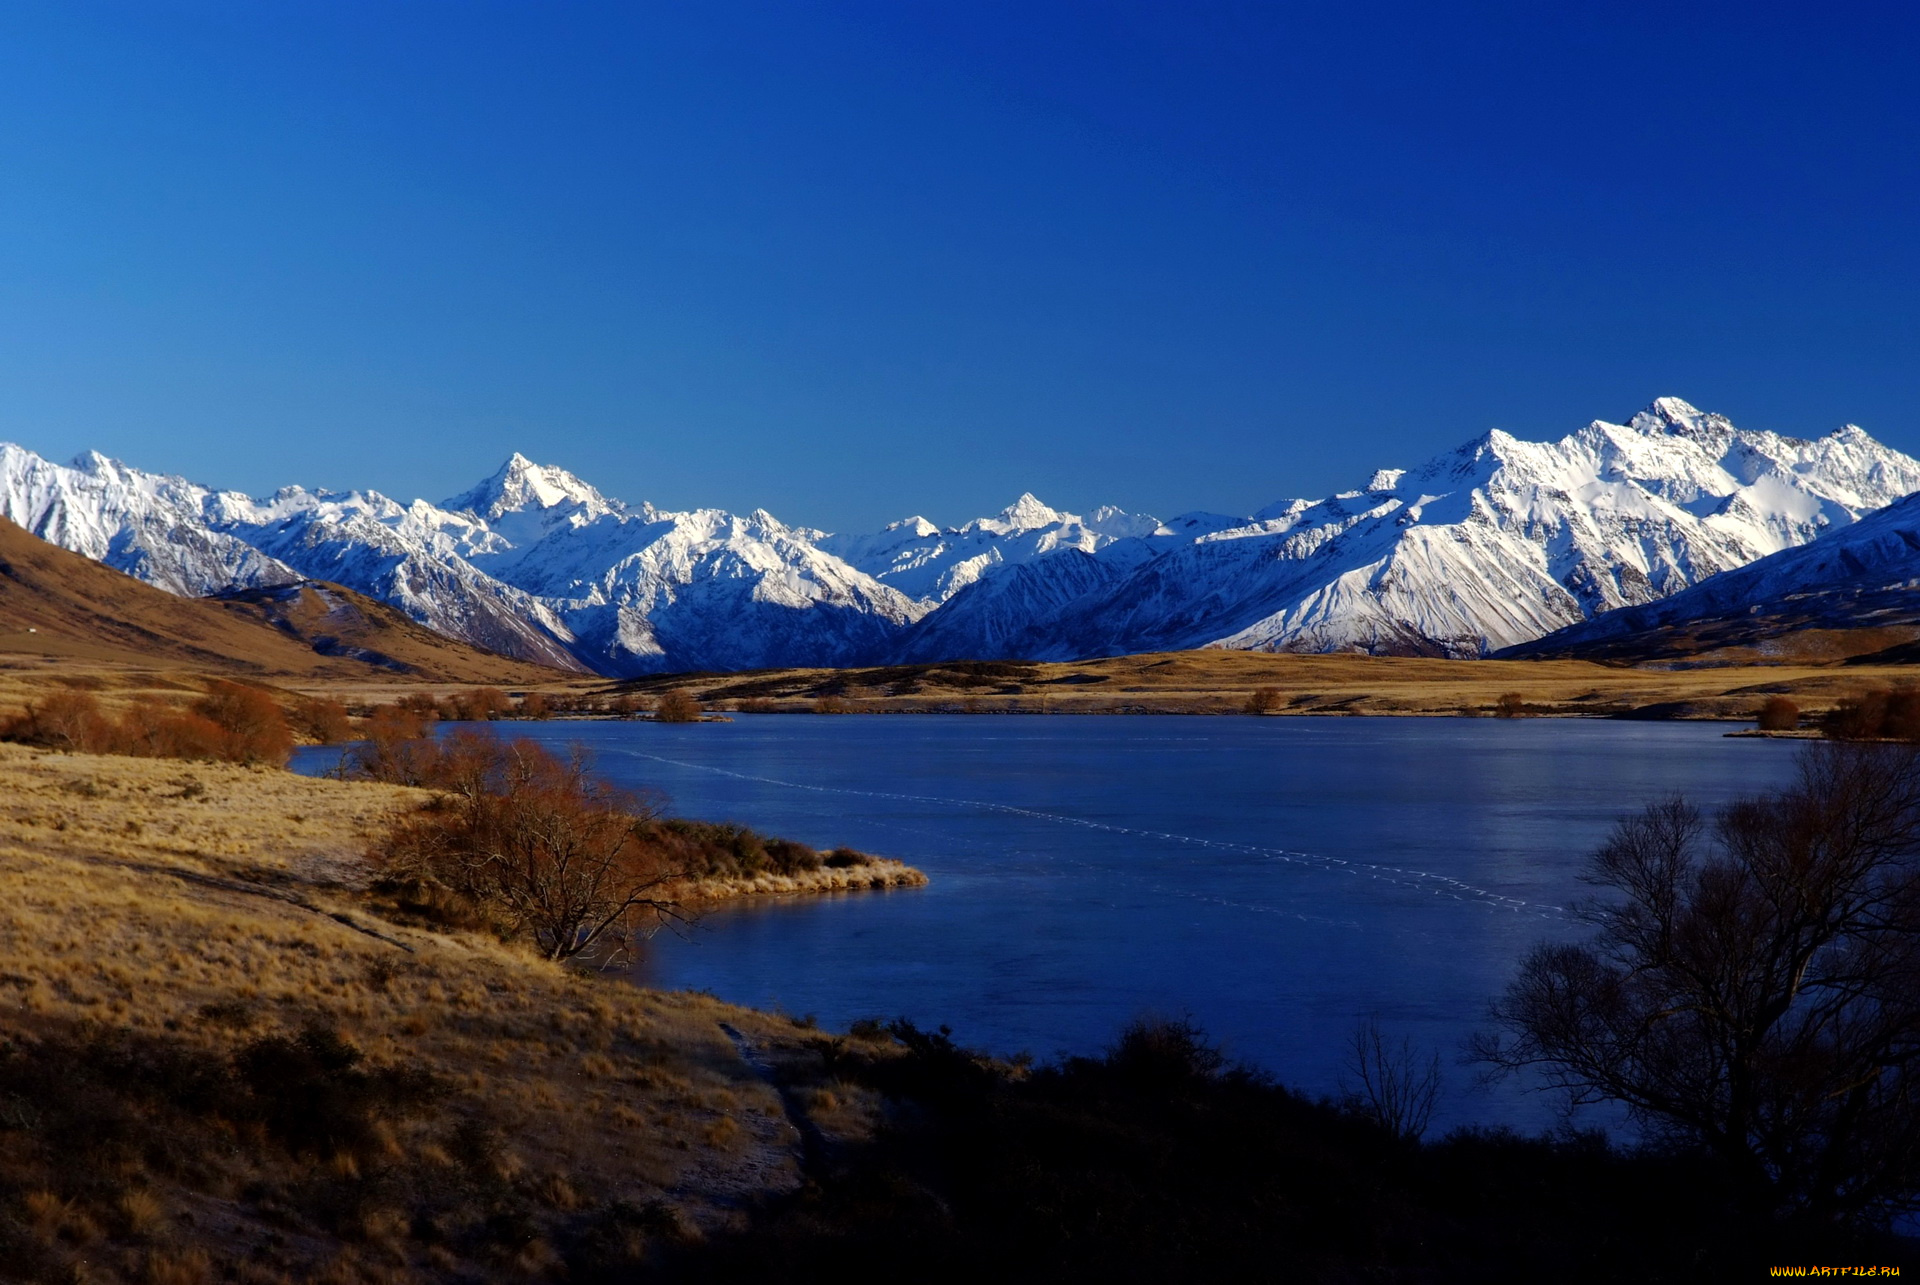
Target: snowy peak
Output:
[
  {"x": 1671, "y": 417},
  {"x": 1025, "y": 514},
  {"x": 520, "y": 486}
]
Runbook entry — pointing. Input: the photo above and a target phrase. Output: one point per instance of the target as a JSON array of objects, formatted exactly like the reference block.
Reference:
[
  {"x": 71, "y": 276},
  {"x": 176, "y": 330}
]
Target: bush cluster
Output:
[
  {"x": 232, "y": 722},
  {"x": 709, "y": 850},
  {"x": 1884, "y": 714},
  {"x": 1778, "y": 714},
  {"x": 677, "y": 706},
  {"x": 533, "y": 846}
]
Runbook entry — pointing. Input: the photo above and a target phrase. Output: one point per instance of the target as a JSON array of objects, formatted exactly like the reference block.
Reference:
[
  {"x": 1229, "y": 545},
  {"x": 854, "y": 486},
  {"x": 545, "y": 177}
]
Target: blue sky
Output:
[{"x": 849, "y": 261}]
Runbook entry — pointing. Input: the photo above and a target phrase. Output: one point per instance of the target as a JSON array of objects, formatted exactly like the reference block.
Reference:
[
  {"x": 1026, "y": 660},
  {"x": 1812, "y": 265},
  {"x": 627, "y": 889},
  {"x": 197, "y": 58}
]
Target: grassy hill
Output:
[{"x": 59, "y": 606}]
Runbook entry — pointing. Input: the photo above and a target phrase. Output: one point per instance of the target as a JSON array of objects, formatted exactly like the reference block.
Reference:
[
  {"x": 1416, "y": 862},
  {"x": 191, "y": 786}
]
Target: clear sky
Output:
[{"x": 850, "y": 261}]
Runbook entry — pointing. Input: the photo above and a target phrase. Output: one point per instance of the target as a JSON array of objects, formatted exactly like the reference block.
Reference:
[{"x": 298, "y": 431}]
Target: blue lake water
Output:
[{"x": 1278, "y": 879}]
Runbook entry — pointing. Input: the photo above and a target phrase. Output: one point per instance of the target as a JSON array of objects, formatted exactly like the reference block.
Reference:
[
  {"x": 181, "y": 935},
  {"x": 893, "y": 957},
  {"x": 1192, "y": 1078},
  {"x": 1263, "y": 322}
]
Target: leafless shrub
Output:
[
  {"x": 563, "y": 859},
  {"x": 1753, "y": 988},
  {"x": 1391, "y": 1084}
]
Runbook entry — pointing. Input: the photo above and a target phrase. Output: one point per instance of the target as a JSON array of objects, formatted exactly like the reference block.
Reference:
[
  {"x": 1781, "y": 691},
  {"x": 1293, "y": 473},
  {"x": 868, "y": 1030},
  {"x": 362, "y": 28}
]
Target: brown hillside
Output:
[{"x": 55, "y": 603}]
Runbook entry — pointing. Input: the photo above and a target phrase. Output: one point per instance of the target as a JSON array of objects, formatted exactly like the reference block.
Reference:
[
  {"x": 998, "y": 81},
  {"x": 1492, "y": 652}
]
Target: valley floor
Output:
[
  {"x": 1221, "y": 682},
  {"x": 1194, "y": 682}
]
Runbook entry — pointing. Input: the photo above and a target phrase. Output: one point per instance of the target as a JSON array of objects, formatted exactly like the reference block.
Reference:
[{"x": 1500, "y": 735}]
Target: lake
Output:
[{"x": 1277, "y": 879}]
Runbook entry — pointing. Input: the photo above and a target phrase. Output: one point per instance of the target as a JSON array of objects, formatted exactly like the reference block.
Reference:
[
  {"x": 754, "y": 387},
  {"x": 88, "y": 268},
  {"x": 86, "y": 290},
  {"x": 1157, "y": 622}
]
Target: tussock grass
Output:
[
  {"x": 1234, "y": 682},
  {"x": 203, "y": 925}
]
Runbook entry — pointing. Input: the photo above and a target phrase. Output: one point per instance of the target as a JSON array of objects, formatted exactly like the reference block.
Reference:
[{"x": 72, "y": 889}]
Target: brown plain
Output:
[{"x": 1223, "y": 682}]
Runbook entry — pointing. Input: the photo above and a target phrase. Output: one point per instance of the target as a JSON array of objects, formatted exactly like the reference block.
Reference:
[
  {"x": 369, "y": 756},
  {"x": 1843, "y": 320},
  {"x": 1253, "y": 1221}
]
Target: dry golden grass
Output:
[
  {"x": 1221, "y": 682},
  {"x": 212, "y": 905}
]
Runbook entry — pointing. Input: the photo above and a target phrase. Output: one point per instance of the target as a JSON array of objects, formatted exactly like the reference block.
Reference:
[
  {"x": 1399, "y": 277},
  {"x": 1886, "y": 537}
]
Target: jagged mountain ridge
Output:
[
  {"x": 1496, "y": 543},
  {"x": 1493, "y": 544},
  {"x": 1862, "y": 582}
]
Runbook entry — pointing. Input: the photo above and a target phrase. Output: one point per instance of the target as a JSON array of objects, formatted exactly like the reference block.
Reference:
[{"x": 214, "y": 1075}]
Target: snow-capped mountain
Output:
[
  {"x": 1490, "y": 545},
  {"x": 1496, "y": 543},
  {"x": 532, "y": 563},
  {"x": 1864, "y": 577},
  {"x": 931, "y": 564},
  {"x": 148, "y": 525}
]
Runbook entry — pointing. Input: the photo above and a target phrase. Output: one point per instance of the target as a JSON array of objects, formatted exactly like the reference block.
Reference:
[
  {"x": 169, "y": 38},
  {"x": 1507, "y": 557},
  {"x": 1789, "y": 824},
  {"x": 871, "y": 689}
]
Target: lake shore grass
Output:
[
  {"x": 876, "y": 874},
  {"x": 1224, "y": 682},
  {"x": 204, "y": 917}
]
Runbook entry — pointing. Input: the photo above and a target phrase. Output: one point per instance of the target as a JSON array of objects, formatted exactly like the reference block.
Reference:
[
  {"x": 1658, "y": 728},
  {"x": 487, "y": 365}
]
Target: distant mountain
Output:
[
  {"x": 54, "y": 602},
  {"x": 1494, "y": 544},
  {"x": 1490, "y": 545},
  {"x": 1853, "y": 594},
  {"x": 932, "y": 564}
]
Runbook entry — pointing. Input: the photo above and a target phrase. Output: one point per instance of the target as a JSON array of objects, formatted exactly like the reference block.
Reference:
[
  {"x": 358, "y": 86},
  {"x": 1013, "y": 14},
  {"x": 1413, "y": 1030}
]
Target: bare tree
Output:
[
  {"x": 555, "y": 855},
  {"x": 1754, "y": 986},
  {"x": 1391, "y": 1084}
]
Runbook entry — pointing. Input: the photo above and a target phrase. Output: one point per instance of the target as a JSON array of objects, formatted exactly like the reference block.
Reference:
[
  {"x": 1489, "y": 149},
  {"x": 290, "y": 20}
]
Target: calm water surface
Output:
[{"x": 1278, "y": 879}]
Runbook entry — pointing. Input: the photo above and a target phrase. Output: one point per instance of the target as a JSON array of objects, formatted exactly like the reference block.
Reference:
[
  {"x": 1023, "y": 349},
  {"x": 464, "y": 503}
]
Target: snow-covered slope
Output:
[
  {"x": 148, "y": 525},
  {"x": 931, "y": 564},
  {"x": 532, "y": 563},
  {"x": 1496, "y": 543},
  {"x": 1490, "y": 545},
  {"x": 1865, "y": 576}
]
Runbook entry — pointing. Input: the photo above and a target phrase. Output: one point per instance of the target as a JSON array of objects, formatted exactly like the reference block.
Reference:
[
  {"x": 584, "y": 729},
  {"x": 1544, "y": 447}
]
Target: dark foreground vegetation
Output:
[
  {"x": 1155, "y": 1162},
  {"x": 1158, "y": 1163}
]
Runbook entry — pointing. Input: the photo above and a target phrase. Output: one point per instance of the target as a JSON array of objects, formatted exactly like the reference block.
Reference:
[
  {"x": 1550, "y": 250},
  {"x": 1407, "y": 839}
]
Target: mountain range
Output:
[
  {"x": 1853, "y": 596},
  {"x": 1489, "y": 546},
  {"x": 55, "y": 603}
]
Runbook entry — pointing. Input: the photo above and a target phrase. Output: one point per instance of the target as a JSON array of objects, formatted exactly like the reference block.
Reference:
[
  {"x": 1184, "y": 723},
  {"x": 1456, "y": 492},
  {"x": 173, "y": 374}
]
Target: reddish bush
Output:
[
  {"x": 676, "y": 706},
  {"x": 254, "y": 729},
  {"x": 476, "y": 705},
  {"x": 324, "y": 722},
  {"x": 1779, "y": 714},
  {"x": 68, "y": 720},
  {"x": 1885, "y": 714},
  {"x": 558, "y": 858},
  {"x": 232, "y": 721}
]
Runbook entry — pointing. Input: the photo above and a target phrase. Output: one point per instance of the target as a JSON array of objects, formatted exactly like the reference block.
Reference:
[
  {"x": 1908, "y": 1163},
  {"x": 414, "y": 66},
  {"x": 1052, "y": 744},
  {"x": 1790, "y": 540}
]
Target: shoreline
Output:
[{"x": 880, "y": 874}]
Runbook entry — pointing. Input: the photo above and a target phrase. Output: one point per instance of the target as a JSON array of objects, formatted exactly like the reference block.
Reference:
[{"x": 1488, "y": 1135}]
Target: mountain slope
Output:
[
  {"x": 1854, "y": 593},
  {"x": 60, "y": 603},
  {"x": 1491, "y": 545}
]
